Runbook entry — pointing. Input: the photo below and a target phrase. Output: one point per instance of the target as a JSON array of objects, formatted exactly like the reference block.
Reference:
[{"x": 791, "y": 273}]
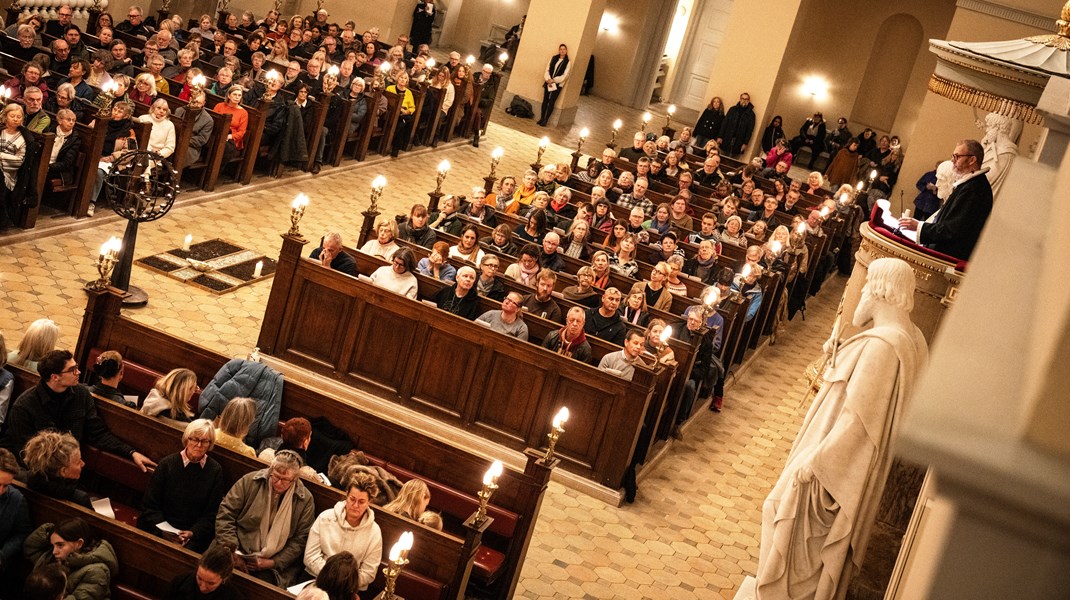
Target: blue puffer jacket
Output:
[{"x": 246, "y": 379}]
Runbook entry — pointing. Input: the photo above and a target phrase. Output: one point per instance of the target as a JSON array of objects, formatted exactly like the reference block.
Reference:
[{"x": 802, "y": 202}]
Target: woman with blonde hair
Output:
[
  {"x": 383, "y": 246},
  {"x": 40, "y": 339},
  {"x": 55, "y": 463},
  {"x": 144, "y": 90},
  {"x": 412, "y": 500},
  {"x": 170, "y": 397},
  {"x": 233, "y": 425}
]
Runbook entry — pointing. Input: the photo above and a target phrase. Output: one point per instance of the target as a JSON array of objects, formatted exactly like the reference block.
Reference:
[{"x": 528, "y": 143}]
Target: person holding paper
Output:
[
  {"x": 185, "y": 491},
  {"x": 266, "y": 517},
  {"x": 555, "y": 77},
  {"x": 349, "y": 526},
  {"x": 955, "y": 228}
]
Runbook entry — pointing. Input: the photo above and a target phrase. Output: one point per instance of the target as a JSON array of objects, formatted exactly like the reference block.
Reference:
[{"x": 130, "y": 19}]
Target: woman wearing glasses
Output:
[{"x": 185, "y": 490}]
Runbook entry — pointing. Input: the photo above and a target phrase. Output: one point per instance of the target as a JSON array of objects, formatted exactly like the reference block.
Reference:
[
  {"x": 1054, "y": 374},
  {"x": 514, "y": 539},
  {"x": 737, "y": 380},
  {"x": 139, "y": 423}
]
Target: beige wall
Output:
[
  {"x": 841, "y": 49},
  {"x": 551, "y": 23},
  {"x": 474, "y": 19},
  {"x": 751, "y": 55},
  {"x": 615, "y": 52},
  {"x": 945, "y": 122}
]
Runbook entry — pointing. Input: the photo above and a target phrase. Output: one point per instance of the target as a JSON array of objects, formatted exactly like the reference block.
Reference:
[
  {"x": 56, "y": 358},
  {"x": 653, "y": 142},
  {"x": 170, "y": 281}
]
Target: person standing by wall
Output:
[{"x": 555, "y": 77}]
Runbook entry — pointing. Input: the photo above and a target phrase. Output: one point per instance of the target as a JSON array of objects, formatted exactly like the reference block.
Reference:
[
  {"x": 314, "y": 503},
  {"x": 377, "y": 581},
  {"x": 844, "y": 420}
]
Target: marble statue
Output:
[
  {"x": 1001, "y": 146},
  {"x": 945, "y": 178},
  {"x": 816, "y": 520}
]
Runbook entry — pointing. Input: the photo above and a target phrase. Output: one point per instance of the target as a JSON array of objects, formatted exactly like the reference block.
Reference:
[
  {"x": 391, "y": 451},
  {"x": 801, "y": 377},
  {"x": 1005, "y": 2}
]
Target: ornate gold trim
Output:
[
  {"x": 1036, "y": 79},
  {"x": 986, "y": 101}
]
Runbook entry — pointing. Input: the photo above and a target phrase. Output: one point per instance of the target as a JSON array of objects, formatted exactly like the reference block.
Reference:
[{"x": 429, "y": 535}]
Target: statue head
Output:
[
  {"x": 890, "y": 281},
  {"x": 945, "y": 176}
]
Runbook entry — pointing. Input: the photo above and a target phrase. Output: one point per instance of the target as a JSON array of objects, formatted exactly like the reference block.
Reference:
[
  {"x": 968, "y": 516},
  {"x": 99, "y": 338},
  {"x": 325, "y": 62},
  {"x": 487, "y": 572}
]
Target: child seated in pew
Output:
[
  {"x": 233, "y": 425},
  {"x": 109, "y": 372},
  {"x": 211, "y": 580},
  {"x": 432, "y": 519},
  {"x": 170, "y": 397},
  {"x": 47, "y": 583},
  {"x": 55, "y": 463},
  {"x": 347, "y": 528},
  {"x": 90, "y": 563},
  {"x": 412, "y": 500}
]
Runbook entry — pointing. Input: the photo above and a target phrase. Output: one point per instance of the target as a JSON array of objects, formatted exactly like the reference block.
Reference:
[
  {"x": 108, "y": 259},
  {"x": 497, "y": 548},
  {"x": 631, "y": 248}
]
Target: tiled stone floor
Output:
[{"x": 694, "y": 530}]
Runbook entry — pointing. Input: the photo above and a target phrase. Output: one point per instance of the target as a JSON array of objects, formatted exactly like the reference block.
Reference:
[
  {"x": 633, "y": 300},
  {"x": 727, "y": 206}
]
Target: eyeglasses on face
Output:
[
  {"x": 955, "y": 157},
  {"x": 199, "y": 441}
]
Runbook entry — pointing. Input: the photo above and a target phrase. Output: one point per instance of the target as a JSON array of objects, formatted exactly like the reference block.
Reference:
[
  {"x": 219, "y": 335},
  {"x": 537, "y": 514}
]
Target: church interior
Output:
[{"x": 976, "y": 505}]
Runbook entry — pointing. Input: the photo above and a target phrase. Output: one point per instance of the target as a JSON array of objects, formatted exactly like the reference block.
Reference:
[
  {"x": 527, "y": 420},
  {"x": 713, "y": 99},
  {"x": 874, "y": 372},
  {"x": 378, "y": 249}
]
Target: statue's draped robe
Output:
[{"x": 817, "y": 518}]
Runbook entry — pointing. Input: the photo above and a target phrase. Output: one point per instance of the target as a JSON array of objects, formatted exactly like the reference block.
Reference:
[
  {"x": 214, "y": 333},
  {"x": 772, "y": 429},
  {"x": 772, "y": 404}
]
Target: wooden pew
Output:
[
  {"x": 28, "y": 214},
  {"x": 147, "y": 564},
  {"x": 439, "y": 553},
  {"x": 519, "y": 492}
]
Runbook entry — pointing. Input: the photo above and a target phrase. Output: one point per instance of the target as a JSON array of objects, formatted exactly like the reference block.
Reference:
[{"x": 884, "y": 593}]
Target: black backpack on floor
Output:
[{"x": 521, "y": 108}]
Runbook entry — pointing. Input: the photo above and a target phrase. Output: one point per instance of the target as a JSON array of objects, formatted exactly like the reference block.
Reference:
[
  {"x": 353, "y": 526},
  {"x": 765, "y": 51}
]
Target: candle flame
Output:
[
  {"x": 584, "y": 133},
  {"x": 431, "y": 63},
  {"x": 617, "y": 124},
  {"x": 504, "y": 56},
  {"x": 801, "y": 228},
  {"x": 672, "y": 109},
  {"x": 498, "y": 153},
  {"x": 444, "y": 166},
  {"x": 646, "y": 117},
  {"x": 561, "y": 417},
  {"x": 745, "y": 273},
  {"x": 713, "y": 296},
  {"x": 333, "y": 70},
  {"x": 385, "y": 67},
  {"x": 300, "y": 201},
  {"x": 858, "y": 186},
  {"x": 873, "y": 174},
  {"x": 775, "y": 246},
  {"x": 666, "y": 334},
  {"x": 379, "y": 183},
  {"x": 469, "y": 59},
  {"x": 544, "y": 142},
  {"x": 493, "y": 473}
]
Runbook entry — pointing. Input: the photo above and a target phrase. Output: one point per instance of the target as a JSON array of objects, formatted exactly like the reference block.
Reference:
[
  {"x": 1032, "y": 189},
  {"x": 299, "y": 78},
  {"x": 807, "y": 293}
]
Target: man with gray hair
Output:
[
  {"x": 832, "y": 482},
  {"x": 488, "y": 80},
  {"x": 202, "y": 125},
  {"x": 331, "y": 255},
  {"x": 461, "y": 298},
  {"x": 637, "y": 197},
  {"x": 133, "y": 24},
  {"x": 550, "y": 258},
  {"x": 570, "y": 340},
  {"x": 266, "y": 517}
]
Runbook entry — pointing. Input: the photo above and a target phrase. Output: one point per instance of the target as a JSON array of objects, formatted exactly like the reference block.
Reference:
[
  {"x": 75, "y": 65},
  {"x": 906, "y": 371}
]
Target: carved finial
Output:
[{"x": 1061, "y": 39}]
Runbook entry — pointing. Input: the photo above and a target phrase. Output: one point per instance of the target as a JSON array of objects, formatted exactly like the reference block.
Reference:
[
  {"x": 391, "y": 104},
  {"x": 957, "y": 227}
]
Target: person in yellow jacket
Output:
[{"x": 408, "y": 107}]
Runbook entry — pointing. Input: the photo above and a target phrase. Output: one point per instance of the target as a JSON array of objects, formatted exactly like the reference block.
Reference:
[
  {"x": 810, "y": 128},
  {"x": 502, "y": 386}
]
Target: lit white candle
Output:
[
  {"x": 504, "y": 56},
  {"x": 469, "y": 60},
  {"x": 379, "y": 183},
  {"x": 666, "y": 334},
  {"x": 300, "y": 201},
  {"x": 745, "y": 273},
  {"x": 498, "y": 153},
  {"x": 775, "y": 247},
  {"x": 561, "y": 417},
  {"x": 801, "y": 228},
  {"x": 544, "y": 142},
  {"x": 259, "y": 269},
  {"x": 444, "y": 166},
  {"x": 493, "y": 473},
  {"x": 873, "y": 174},
  {"x": 584, "y": 133},
  {"x": 672, "y": 109},
  {"x": 186, "y": 243},
  {"x": 431, "y": 63},
  {"x": 858, "y": 186},
  {"x": 646, "y": 117},
  {"x": 395, "y": 552},
  {"x": 713, "y": 296},
  {"x": 617, "y": 125}
]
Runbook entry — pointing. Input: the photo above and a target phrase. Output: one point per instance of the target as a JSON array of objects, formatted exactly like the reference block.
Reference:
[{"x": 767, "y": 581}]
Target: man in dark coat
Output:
[
  {"x": 59, "y": 402},
  {"x": 330, "y": 254},
  {"x": 423, "y": 18},
  {"x": 737, "y": 127},
  {"x": 202, "y": 126},
  {"x": 955, "y": 228}
]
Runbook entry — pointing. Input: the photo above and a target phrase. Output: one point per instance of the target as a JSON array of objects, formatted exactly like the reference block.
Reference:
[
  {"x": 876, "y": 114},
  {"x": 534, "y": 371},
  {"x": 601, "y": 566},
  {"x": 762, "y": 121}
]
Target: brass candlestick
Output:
[
  {"x": 443, "y": 170},
  {"x": 646, "y": 121},
  {"x": 555, "y": 432},
  {"x": 490, "y": 483},
  {"x": 377, "y": 190},
  {"x": 106, "y": 261},
  {"x": 495, "y": 158},
  {"x": 297, "y": 211}
]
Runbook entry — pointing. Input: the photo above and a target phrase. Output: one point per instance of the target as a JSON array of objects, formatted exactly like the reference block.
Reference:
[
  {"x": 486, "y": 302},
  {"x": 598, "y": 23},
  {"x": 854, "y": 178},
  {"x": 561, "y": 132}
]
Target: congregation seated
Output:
[
  {"x": 59, "y": 402},
  {"x": 108, "y": 372},
  {"x": 655, "y": 291},
  {"x": 448, "y": 219},
  {"x": 54, "y": 462},
  {"x": 185, "y": 491},
  {"x": 500, "y": 241},
  {"x": 415, "y": 229},
  {"x": 622, "y": 362},
  {"x": 331, "y": 255},
  {"x": 40, "y": 339},
  {"x": 233, "y": 425},
  {"x": 488, "y": 284},
  {"x": 703, "y": 265},
  {"x": 170, "y": 397},
  {"x": 541, "y": 302},
  {"x": 570, "y": 340},
  {"x": 577, "y": 240},
  {"x": 383, "y": 245},
  {"x": 604, "y": 322},
  {"x": 435, "y": 265},
  {"x": 623, "y": 261},
  {"x": 15, "y": 522},
  {"x": 210, "y": 581},
  {"x": 583, "y": 292},
  {"x": 478, "y": 209},
  {"x": 398, "y": 275},
  {"x": 467, "y": 247},
  {"x": 411, "y": 501},
  {"x": 348, "y": 527},
  {"x": 508, "y": 320},
  {"x": 460, "y": 298},
  {"x": 635, "y": 310},
  {"x": 266, "y": 517},
  {"x": 89, "y": 563}
]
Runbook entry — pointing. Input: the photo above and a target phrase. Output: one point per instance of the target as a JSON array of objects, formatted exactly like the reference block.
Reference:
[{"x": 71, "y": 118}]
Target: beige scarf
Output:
[{"x": 275, "y": 531}]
